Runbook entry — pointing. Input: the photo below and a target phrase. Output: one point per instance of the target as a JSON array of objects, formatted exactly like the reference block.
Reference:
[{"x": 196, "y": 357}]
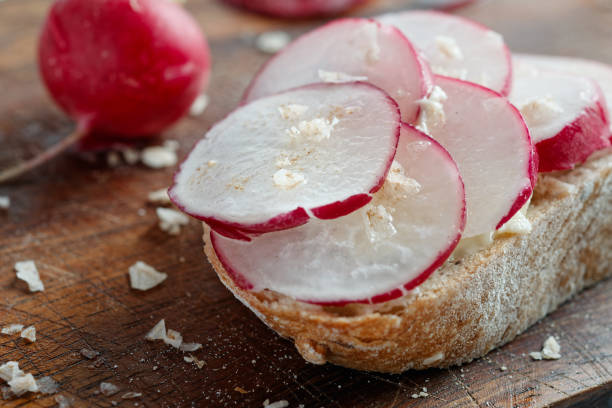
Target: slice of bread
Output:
[{"x": 466, "y": 308}]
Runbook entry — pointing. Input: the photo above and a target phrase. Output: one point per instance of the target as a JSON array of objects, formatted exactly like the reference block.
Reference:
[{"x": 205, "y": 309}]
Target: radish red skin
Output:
[
  {"x": 296, "y": 8},
  {"x": 577, "y": 141},
  {"x": 128, "y": 68}
]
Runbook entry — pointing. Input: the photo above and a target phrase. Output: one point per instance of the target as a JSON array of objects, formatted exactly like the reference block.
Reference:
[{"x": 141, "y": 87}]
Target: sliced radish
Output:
[
  {"x": 372, "y": 255},
  {"x": 566, "y": 115},
  {"x": 319, "y": 150},
  {"x": 490, "y": 142},
  {"x": 457, "y": 47},
  {"x": 349, "y": 50},
  {"x": 599, "y": 72},
  {"x": 296, "y": 8}
]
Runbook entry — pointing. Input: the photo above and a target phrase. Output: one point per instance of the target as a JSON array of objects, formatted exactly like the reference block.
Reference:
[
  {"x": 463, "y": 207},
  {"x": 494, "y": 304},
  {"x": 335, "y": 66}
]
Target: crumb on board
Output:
[
  {"x": 171, "y": 220},
  {"x": 5, "y": 202},
  {"x": 158, "y": 157},
  {"x": 89, "y": 353},
  {"x": 12, "y": 329},
  {"x": 276, "y": 404},
  {"x": 240, "y": 390},
  {"x": 144, "y": 277},
  {"x": 131, "y": 395},
  {"x": 199, "y": 105},
  {"x": 108, "y": 389},
  {"x": 29, "y": 333},
  {"x": 550, "y": 350},
  {"x": 272, "y": 41},
  {"x": 27, "y": 272},
  {"x": 159, "y": 197}
]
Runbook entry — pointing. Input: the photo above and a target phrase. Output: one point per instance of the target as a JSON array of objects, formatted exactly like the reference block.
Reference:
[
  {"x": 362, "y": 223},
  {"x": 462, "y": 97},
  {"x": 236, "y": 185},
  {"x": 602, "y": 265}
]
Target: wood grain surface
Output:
[{"x": 85, "y": 223}]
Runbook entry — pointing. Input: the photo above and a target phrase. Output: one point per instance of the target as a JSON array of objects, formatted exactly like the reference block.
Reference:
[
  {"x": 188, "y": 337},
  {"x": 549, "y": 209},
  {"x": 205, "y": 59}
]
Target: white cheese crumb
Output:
[
  {"x": 538, "y": 111},
  {"x": 423, "y": 394},
  {"x": 292, "y": 111},
  {"x": 448, "y": 47},
  {"x": 199, "y": 105},
  {"x": 173, "y": 338},
  {"x": 193, "y": 359},
  {"x": 158, "y": 332},
  {"x": 131, "y": 395},
  {"x": 287, "y": 179},
  {"x": 517, "y": 225},
  {"x": 317, "y": 129},
  {"x": 47, "y": 385},
  {"x": 400, "y": 185},
  {"x": 551, "y": 349},
  {"x": 338, "y": 77},
  {"x": 159, "y": 197},
  {"x": 415, "y": 396},
  {"x": 10, "y": 370},
  {"x": 172, "y": 144},
  {"x": 272, "y": 41},
  {"x": 432, "y": 110},
  {"x": 189, "y": 347},
  {"x": 157, "y": 157},
  {"x": 22, "y": 384},
  {"x": 171, "y": 220},
  {"x": 460, "y": 73},
  {"x": 503, "y": 368},
  {"x": 12, "y": 329},
  {"x": 5, "y": 202},
  {"x": 379, "y": 223},
  {"x": 145, "y": 277},
  {"x": 27, "y": 272},
  {"x": 131, "y": 156},
  {"x": 108, "y": 389},
  {"x": 372, "y": 52},
  {"x": 113, "y": 159},
  {"x": 29, "y": 333},
  {"x": 277, "y": 404},
  {"x": 89, "y": 354},
  {"x": 63, "y": 402}
]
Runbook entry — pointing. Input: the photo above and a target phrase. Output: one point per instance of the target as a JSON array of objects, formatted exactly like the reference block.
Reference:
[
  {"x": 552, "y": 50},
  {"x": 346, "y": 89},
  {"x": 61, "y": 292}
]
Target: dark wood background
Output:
[{"x": 79, "y": 220}]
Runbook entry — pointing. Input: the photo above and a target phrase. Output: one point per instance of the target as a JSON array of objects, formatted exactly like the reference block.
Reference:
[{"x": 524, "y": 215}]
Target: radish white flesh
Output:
[
  {"x": 372, "y": 255},
  {"x": 599, "y": 72},
  {"x": 457, "y": 47},
  {"x": 349, "y": 49},
  {"x": 319, "y": 150},
  {"x": 566, "y": 115},
  {"x": 489, "y": 140}
]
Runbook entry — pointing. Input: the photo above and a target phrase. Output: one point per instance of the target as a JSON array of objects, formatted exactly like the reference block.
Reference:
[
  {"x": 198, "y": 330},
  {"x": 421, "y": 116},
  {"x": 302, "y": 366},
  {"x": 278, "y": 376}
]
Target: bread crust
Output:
[{"x": 467, "y": 308}]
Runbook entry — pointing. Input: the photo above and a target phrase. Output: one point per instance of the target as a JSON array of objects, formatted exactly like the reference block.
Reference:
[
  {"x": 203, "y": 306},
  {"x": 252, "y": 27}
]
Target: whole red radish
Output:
[{"x": 127, "y": 68}]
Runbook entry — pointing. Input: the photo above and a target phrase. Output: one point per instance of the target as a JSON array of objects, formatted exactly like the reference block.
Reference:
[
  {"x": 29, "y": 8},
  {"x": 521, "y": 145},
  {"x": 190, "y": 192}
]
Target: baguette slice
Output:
[{"x": 469, "y": 307}]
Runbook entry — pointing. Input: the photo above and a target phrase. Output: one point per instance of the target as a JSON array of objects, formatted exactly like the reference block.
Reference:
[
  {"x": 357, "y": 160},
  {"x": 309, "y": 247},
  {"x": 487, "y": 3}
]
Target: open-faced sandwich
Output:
[{"x": 401, "y": 192}]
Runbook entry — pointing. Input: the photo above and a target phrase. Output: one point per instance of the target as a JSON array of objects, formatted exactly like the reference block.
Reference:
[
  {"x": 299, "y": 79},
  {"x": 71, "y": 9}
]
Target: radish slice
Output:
[
  {"x": 490, "y": 142},
  {"x": 457, "y": 47},
  {"x": 345, "y": 50},
  {"x": 295, "y": 8},
  {"x": 566, "y": 115},
  {"x": 599, "y": 72},
  {"x": 319, "y": 150},
  {"x": 372, "y": 255}
]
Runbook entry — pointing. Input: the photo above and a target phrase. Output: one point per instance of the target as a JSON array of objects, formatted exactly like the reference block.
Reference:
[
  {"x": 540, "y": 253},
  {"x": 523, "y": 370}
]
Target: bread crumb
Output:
[
  {"x": 131, "y": 156},
  {"x": 241, "y": 390},
  {"x": 27, "y": 272},
  {"x": 338, "y": 77},
  {"x": 277, "y": 404},
  {"x": 158, "y": 332},
  {"x": 89, "y": 354},
  {"x": 199, "y": 105},
  {"x": 189, "y": 347},
  {"x": 29, "y": 333},
  {"x": 145, "y": 277},
  {"x": 173, "y": 338},
  {"x": 171, "y": 220},
  {"x": 108, "y": 389},
  {"x": 113, "y": 159},
  {"x": 157, "y": 157},
  {"x": 22, "y": 384},
  {"x": 272, "y": 41},
  {"x": 5, "y": 202},
  {"x": 193, "y": 359},
  {"x": 131, "y": 395},
  {"x": 12, "y": 329},
  {"x": 10, "y": 370},
  {"x": 160, "y": 197},
  {"x": 550, "y": 350}
]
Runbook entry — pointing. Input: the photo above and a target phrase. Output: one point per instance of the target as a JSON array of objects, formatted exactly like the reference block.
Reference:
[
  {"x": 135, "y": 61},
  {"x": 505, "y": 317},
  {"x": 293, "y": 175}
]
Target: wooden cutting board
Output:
[{"x": 85, "y": 223}]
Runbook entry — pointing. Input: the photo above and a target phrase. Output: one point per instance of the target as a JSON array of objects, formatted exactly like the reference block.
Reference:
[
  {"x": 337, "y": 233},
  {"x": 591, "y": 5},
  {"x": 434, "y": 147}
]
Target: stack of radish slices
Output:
[{"x": 353, "y": 167}]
